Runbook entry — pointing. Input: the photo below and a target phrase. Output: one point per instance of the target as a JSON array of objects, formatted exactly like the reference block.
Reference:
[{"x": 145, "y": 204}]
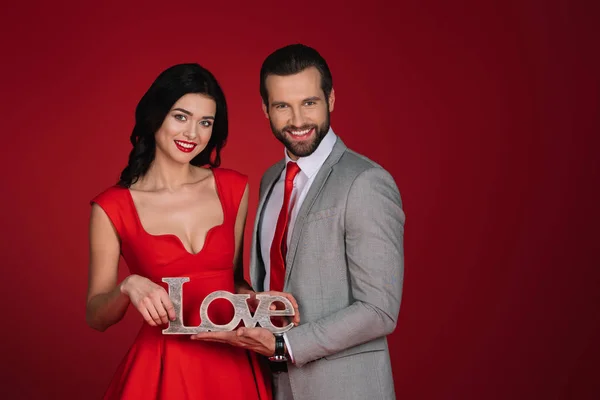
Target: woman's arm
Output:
[
  {"x": 106, "y": 303},
  {"x": 241, "y": 285}
]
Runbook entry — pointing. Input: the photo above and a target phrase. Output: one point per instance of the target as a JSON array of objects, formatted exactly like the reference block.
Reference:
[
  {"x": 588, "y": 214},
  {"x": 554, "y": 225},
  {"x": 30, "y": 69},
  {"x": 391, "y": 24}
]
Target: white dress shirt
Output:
[{"x": 309, "y": 167}]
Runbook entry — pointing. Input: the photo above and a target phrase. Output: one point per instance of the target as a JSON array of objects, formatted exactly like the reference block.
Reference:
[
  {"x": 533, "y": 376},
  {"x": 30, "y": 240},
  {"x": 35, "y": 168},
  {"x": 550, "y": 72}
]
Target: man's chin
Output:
[
  {"x": 301, "y": 147},
  {"x": 301, "y": 150}
]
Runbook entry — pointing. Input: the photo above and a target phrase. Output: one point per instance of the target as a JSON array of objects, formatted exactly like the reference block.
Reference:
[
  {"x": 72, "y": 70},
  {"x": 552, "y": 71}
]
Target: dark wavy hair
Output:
[
  {"x": 290, "y": 60},
  {"x": 151, "y": 111}
]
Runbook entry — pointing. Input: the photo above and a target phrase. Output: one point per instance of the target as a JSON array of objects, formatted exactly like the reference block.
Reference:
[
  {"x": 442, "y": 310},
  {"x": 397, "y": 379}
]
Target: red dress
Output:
[{"x": 161, "y": 366}]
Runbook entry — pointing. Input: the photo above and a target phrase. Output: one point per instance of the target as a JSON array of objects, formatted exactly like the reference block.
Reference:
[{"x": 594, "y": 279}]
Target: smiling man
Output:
[{"x": 329, "y": 230}]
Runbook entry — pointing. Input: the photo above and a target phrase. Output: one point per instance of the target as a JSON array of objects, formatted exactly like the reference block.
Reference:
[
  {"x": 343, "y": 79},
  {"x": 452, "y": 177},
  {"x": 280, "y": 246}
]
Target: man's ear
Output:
[
  {"x": 264, "y": 108},
  {"x": 331, "y": 100}
]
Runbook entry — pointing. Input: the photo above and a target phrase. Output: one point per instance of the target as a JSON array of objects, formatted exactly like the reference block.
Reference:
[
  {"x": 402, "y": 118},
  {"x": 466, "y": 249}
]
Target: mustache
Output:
[{"x": 303, "y": 127}]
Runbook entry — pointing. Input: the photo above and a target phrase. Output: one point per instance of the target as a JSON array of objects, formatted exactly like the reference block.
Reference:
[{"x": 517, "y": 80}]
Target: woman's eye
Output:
[
  {"x": 206, "y": 123},
  {"x": 180, "y": 117}
]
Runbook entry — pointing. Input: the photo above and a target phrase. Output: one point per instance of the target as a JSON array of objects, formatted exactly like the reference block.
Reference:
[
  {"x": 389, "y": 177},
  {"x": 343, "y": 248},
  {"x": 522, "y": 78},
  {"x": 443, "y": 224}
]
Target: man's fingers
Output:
[
  {"x": 287, "y": 296},
  {"x": 255, "y": 339},
  {"x": 209, "y": 339},
  {"x": 228, "y": 336},
  {"x": 276, "y": 305},
  {"x": 250, "y": 333},
  {"x": 296, "y": 318},
  {"x": 293, "y": 301},
  {"x": 223, "y": 336},
  {"x": 290, "y": 298}
]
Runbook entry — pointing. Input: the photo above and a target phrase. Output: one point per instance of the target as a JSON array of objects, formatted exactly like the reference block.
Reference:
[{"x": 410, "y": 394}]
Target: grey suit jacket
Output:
[{"x": 345, "y": 267}]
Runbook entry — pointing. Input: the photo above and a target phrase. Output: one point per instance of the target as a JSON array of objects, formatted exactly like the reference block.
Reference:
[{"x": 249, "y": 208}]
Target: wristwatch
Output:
[{"x": 279, "y": 355}]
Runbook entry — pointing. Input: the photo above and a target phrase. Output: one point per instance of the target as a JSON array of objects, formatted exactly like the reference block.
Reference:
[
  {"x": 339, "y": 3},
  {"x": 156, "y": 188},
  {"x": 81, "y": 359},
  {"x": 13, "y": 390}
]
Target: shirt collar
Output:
[{"x": 312, "y": 163}]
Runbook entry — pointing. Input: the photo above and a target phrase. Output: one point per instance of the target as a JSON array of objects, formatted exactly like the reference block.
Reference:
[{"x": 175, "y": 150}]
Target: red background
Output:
[{"x": 486, "y": 114}]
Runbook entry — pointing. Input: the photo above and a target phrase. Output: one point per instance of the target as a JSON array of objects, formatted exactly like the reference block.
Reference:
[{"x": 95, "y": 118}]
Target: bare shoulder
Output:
[
  {"x": 200, "y": 173},
  {"x": 230, "y": 173},
  {"x": 231, "y": 178}
]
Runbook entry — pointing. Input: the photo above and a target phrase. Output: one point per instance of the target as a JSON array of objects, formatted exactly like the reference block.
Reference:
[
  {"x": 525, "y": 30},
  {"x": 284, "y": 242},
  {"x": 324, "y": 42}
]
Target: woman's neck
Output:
[{"x": 166, "y": 174}]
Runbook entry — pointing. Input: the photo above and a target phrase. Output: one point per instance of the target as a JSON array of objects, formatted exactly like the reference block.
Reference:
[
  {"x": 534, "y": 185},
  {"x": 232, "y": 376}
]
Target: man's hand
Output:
[
  {"x": 279, "y": 321},
  {"x": 260, "y": 340}
]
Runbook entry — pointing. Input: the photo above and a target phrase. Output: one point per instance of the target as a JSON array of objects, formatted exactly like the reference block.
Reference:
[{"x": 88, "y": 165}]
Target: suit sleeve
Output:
[{"x": 374, "y": 224}]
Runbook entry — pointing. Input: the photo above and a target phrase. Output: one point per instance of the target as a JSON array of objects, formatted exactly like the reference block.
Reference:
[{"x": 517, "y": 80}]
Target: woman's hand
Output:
[{"x": 150, "y": 299}]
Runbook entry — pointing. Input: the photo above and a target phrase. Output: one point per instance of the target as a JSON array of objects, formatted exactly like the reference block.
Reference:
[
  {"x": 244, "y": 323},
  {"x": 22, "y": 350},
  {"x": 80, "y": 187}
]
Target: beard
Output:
[{"x": 303, "y": 148}]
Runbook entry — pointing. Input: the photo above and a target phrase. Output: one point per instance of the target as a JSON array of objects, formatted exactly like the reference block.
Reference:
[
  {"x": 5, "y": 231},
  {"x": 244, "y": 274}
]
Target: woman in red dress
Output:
[{"x": 174, "y": 213}]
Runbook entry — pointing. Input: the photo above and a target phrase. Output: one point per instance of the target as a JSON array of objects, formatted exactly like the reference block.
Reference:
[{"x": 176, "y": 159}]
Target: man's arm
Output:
[{"x": 375, "y": 256}]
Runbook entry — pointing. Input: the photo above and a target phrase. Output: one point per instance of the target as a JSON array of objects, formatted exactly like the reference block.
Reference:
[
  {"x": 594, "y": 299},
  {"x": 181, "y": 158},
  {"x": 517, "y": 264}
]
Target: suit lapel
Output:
[
  {"x": 338, "y": 149},
  {"x": 257, "y": 267}
]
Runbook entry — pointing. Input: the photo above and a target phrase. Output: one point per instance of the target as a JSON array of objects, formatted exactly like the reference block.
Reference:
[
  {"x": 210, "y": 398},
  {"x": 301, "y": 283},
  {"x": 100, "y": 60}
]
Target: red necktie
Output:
[{"x": 279, "y": 244}]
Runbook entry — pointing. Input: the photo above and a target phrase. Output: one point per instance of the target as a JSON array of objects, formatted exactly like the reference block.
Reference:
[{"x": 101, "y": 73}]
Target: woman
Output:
[{"x": 170, "y": 216}]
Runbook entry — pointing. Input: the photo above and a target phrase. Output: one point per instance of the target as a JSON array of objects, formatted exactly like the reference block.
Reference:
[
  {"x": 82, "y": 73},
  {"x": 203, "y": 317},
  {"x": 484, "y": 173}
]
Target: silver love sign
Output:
[{"x": 262, "y": 315}]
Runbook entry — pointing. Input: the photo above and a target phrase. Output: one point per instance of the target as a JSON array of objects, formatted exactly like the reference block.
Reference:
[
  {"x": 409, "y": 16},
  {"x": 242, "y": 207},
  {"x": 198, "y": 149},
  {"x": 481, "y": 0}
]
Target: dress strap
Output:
[
  {"x": 113, "y": 202},
  {"x": 230, "y": 185}
]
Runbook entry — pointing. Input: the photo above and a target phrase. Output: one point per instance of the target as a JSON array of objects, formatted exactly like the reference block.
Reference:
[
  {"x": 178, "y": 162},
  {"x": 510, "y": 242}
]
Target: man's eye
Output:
[
  {"x": 310, "y": 103},
  {"x": 280, "y": 106}
]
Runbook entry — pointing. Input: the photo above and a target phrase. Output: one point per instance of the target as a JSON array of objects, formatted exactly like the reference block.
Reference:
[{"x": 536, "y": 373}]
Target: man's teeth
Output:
[
  {"x": 186, "y": 145},
  {"x": 300, "y": 133}
]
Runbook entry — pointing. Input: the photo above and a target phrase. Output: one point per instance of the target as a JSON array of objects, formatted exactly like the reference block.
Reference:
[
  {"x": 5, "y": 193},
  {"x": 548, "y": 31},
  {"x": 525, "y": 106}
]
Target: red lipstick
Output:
[{"x": 184, "y": 146}]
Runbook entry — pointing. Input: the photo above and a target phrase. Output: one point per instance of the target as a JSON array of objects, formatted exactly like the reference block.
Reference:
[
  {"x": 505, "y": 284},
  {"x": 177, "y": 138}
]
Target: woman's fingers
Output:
[
  {"x": 160, "y": 309},
  {"x": 168, "y": 306},
  {"x": 152, "y": 301},
  {"x": 142, "y": 309},
  {"x": 149, "y": 305}
]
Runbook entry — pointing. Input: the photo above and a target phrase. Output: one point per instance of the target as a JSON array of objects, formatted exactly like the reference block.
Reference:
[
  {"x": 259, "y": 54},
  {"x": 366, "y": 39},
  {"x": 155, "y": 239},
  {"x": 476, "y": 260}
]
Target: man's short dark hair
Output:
[{"x": 290, "y": 60}]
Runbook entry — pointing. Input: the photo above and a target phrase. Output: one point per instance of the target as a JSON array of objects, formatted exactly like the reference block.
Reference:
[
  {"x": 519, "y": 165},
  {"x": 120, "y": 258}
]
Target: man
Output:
[{"x": 329, "y": 230}]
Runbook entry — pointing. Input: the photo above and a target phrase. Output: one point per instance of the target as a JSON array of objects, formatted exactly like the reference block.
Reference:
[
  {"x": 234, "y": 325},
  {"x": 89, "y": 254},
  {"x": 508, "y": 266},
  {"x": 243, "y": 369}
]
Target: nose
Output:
[
  {"x": 297, "y": 119},
  {"x": 192, "y": 132}
]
